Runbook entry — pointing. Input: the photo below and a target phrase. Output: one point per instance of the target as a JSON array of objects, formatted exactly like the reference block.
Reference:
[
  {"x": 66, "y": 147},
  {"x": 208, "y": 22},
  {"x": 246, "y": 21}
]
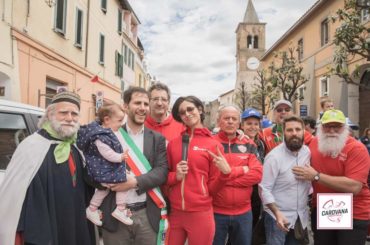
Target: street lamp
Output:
[{"x": 363, "y": 4}]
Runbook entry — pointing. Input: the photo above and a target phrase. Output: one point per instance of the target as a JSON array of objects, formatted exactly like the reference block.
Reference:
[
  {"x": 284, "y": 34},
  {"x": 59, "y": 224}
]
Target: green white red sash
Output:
[{"x": 139, "y": 165}]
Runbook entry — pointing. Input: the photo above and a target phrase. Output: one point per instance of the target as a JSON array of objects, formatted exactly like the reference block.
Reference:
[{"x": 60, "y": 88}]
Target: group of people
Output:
[{"x": 150, "y": 176}]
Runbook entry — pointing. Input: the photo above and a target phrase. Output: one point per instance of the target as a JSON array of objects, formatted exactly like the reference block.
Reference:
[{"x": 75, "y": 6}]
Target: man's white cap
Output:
[{"x": 283, "y": 102}]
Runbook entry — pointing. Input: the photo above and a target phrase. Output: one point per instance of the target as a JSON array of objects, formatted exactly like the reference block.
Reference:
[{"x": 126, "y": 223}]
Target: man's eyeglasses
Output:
[
  {"x": 332, "y": 126},
  {"x": 188, "y": 109},
  {"x": 283, "y": 109},
  {"x": 157, "y": 99}
]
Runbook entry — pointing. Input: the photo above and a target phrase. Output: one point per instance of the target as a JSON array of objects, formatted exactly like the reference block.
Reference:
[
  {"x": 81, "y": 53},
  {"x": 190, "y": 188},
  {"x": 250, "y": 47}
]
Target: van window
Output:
[{"x": 12, "y": 131}]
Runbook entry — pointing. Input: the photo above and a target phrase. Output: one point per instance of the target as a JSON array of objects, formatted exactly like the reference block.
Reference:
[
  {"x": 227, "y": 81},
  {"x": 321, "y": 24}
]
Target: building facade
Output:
[
  {"x": 90, "y": 47},
  {"x": 313, "y": 36}
]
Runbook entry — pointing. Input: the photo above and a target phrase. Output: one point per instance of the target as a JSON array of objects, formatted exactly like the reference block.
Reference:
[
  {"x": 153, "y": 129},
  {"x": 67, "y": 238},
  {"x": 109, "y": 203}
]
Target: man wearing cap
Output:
[
  {"x": 273, "y": 136},
  {"x": 339, "y": 164},
  {"x": 251, "y": 125},
  {"x": 43, "y": 193},
  {"x": 232, "y": 203}
]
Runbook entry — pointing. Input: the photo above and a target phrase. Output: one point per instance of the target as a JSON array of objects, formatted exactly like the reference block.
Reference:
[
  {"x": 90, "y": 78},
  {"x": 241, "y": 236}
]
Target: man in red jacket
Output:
[
  {"x": 160, "y": 120},
  {"x": 274, "y": 136},
  {"x": 232, "y": 203}
]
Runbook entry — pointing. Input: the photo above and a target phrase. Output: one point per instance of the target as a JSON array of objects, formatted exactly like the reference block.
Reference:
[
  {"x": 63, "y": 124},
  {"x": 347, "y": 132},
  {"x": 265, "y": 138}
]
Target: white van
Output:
[{"x": 17, "y": 121}]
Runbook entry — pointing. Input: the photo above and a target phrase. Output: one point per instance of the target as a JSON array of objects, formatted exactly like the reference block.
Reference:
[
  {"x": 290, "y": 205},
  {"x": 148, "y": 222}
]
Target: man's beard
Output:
[
  {"x": 64, "y": 132},
  {"x": 331, "y": 145},
  {"x": 294, "y": 143}
]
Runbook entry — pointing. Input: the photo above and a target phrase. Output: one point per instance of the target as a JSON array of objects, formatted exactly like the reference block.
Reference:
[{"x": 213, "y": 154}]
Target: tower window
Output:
[
  {"x": 255, "y": 42},
  {"x": 249, "y": 41}
]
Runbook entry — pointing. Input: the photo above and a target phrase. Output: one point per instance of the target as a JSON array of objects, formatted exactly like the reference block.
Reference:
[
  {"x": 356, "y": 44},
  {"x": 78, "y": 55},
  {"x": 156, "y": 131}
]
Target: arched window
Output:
[
  {"x": 255, "y": 42},
  {"x": 249, "y": 41}
]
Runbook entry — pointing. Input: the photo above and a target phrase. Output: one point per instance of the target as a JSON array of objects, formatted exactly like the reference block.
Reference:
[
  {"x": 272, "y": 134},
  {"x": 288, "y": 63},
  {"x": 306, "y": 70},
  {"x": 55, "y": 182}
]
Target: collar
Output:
[
  {"x": 165, "y": 122},
  {"x": 129, "y": 130},
  {"x": 222, "y": 135},
  {"x": 198, "y": 131}
]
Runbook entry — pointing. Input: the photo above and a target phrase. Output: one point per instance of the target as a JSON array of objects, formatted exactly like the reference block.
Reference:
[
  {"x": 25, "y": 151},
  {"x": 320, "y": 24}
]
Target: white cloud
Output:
[{"x": 190, "y": 45}]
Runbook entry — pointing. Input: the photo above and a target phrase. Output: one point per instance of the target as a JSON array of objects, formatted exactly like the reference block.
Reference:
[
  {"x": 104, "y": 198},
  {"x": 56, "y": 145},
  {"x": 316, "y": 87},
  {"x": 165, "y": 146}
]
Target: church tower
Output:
[{"x": 250, "y": 46}]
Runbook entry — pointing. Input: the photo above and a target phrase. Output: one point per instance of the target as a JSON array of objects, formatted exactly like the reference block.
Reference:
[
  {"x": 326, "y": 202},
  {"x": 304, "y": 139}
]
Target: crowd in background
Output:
[{"x": 150, "y": 175}]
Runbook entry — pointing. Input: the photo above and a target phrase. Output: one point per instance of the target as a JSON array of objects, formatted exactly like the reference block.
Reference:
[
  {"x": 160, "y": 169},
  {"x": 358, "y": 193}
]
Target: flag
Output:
[{"x": 95, "y": 79}]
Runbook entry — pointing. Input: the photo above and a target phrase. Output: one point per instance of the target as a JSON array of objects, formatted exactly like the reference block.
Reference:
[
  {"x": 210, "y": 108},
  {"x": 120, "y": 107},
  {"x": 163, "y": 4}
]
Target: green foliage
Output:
[
  {"x": 286, "y": 74},
  {"x": 351, "y": 38}
]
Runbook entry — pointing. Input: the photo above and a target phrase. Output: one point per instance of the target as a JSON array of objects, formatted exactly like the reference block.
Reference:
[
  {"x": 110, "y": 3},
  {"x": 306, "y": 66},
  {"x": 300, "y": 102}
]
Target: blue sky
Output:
[{"x": 190, "y": 45}]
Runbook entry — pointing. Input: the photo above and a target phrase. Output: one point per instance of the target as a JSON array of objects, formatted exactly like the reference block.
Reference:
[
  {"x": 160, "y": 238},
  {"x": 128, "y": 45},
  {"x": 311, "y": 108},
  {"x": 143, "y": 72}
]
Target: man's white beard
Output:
[
  {"x": 64, "y": 132},
  {"x": 331, "y": 146}
]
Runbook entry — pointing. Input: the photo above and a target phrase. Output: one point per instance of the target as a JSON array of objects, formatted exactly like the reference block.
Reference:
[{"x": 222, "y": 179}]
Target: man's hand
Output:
[
  {"x": 246, "y": 169},
  {"x": 181, "y": 170},
  {"x": 131, "y": 183},
  {"x": 304, "y": 173},
  {"x": 282, "y": 222},
  {"x": 220, "y": 161}
]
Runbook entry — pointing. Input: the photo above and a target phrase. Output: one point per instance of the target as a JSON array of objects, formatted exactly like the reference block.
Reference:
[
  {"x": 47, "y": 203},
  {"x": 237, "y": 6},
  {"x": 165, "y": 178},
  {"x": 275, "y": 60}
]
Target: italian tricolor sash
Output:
[{"x": 139, "y": 165}]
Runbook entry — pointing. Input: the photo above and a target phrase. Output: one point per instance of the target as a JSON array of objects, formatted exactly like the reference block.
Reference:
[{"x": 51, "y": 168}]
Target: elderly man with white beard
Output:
[
  {"x": 44, "y": 196},
  {"x": 339, "y": 164}
]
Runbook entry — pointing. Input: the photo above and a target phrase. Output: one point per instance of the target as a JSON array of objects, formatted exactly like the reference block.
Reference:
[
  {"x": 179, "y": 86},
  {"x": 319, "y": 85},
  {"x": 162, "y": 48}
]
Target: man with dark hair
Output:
[
  {"x": 148, "y": 162},
  {"x": 159, "y": 118},
  {"x": 339, "y": 164},
  {"x": 284, "y": 196},
  {"x": 309, "y": 124},
  {"x": 43, "y": 193}
]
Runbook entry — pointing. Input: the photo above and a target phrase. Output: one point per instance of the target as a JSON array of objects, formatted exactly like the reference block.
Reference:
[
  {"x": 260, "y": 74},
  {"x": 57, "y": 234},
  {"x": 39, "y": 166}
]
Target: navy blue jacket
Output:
[{"x": 99, "y": 168}]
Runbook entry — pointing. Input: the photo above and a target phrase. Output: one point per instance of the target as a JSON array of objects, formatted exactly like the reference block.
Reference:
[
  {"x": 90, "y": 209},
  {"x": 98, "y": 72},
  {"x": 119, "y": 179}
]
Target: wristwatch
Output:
[{"x": 316, "y": 177}]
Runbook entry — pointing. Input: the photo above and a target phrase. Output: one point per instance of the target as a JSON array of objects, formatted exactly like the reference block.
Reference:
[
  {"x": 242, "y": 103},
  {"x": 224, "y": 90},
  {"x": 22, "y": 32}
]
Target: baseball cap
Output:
[
  {"x": 266, "y": 123},
  {"x": 250, "y": 112},
  {"x": 283, "y": 102},
  {"x": 333, "y": 116}
]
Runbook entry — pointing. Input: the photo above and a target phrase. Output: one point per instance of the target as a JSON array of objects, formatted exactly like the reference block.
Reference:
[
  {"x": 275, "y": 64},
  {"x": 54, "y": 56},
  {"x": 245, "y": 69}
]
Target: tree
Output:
[
  {"x": 242, "y": 96},
  {"x": 263, "y": 93},
  {"x": 351, "y": 39},
  {"x": 286, "y": 74}
]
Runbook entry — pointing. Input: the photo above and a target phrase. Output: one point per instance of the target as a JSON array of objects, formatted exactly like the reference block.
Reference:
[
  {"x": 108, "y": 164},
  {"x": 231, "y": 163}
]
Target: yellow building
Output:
[
  {"x": 313, "y": 33},
  {"x": 52, "y": 44}
]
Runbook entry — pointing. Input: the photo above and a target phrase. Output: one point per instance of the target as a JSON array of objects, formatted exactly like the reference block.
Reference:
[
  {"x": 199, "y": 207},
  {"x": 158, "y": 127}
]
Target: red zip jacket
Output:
[
  {"x": 193, "y": 193},
  {"x": 234, "y": 197},
  {"x": 272, "y": 137},
  {"x": 169, "y": 128}
]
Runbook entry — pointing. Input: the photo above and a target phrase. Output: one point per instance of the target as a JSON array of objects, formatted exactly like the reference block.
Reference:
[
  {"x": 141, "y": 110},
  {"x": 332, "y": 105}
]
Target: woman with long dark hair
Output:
[{"x": 193, "y": 180}]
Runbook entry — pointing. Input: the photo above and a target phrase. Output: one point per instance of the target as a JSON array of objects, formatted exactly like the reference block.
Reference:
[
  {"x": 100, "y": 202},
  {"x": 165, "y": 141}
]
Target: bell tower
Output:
[{"x": 250, "y": 46}]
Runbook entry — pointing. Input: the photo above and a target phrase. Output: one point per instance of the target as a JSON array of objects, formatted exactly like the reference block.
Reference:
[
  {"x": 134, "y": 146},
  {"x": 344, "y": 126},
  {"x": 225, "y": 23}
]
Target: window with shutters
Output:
[
  {"x": 79, "y": 21},
  {"x": 126, "y": 55},
  {"x": 119, "y": 64},
  {"x": 324, "y": 32},
  {"x": 103, "y": 6},
  {"x": 60, "y": 16},
  {"x": 101, "y": 49},
  {"x": 300, "y": 49},
  {"x": 119, "y": 22}
]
